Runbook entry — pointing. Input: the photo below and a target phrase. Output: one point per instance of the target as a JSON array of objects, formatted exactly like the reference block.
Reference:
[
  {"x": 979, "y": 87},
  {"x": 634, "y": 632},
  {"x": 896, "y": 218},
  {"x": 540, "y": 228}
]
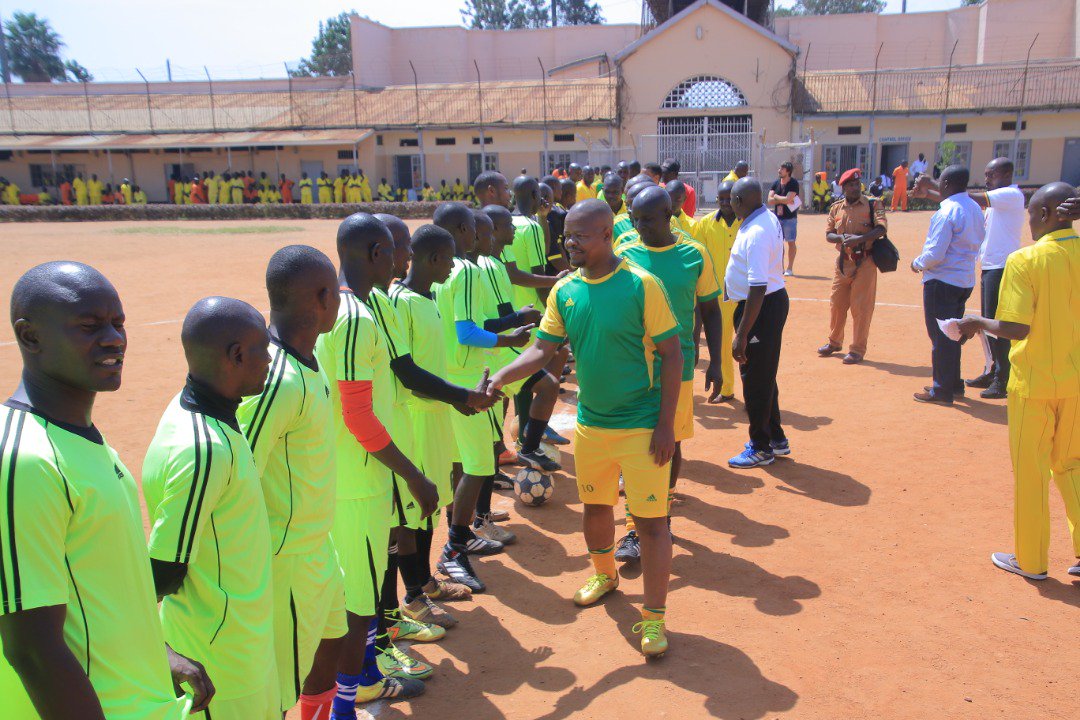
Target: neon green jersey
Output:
[
  {"x": 686, "y": 271},
  {"x": 386, "y": 317},
  {"x": 71, "y": 534},
  {"x": 613, "y": 323},
  {"x": 461, "y": 298},
  {"x": 206, "y": 510},
  {"x": 529, "y": 254},
  {"x": 286, "y": 427},
  {"x": 422, "y": 331},
  {"x": 356, "y": 351},
  {"x": 497, "y": 302}
]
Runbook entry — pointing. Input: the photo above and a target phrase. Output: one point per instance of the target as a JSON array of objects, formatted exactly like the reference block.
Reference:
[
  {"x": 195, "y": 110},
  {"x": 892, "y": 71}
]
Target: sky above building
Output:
[{"x": 246, "y": 39}]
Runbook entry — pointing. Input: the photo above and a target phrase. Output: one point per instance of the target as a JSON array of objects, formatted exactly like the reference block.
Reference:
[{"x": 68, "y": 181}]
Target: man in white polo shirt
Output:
[
  {"x": 1003, "y": 206},
  {"x": 755, "y": 279}
]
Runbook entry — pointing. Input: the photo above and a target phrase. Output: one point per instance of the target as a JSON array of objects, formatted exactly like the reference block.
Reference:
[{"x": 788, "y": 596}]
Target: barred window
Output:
[{"x": 703, "y": 91}]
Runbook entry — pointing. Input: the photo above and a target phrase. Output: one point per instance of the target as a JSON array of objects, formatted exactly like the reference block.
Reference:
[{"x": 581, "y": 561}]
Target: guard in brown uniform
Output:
[{"x": 853, "y": 231}]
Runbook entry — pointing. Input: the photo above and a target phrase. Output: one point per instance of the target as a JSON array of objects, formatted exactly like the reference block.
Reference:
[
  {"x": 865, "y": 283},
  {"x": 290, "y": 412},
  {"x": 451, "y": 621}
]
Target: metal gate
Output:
[{"x": 701, "y": 143}]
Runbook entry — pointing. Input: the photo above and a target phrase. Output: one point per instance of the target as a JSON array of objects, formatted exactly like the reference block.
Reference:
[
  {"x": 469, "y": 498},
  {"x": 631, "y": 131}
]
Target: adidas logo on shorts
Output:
[
  {"x": 410, "y": 506},
  {"x": 651, "y": 498}
]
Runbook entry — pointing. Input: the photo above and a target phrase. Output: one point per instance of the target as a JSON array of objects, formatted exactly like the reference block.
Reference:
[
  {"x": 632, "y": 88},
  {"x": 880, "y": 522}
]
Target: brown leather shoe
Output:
[
  {"x": 826, "y": 350},
  {"x": 852, "y": 358},
  {"x": 926, "y": 397}
]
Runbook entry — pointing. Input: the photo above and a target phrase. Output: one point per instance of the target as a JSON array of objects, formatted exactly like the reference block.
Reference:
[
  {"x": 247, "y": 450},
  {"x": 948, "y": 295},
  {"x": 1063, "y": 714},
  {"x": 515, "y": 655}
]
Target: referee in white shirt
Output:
[
  {"x": 755, "y": 278},
  {"x": 1003, "y": 206}
]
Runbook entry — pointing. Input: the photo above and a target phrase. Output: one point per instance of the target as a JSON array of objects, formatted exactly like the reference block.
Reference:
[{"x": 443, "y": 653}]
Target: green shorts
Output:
[
  {"x": 361, "y": 535},
  {"x": 434, "y": 449},
  {"x": 406, "y": 509},
  {"x": 262, "y": 705},
  {"x": 309, "y": 605},
  {"x": 475, "y": 437}
]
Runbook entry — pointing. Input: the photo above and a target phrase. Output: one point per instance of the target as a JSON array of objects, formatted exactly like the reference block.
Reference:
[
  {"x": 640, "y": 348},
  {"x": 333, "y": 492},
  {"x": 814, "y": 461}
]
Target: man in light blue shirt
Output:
[{"x": 948, "y": 264}]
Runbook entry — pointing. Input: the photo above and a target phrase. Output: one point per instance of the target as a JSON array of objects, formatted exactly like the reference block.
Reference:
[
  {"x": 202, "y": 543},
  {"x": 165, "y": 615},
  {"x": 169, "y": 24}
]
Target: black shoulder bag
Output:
[{"x": 885, "y": 254}]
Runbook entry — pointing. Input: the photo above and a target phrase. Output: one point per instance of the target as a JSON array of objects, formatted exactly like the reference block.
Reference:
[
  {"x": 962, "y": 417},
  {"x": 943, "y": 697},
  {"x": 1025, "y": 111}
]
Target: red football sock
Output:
[{"x": 317, "y": 707}]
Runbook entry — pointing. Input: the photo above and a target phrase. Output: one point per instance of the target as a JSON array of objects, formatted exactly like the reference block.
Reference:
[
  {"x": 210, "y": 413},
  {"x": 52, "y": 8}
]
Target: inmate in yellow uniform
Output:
[
  {"x": 615, "y": 322},
  {"x": 305, "y": 191},
  {"x": 325, "y": 190},
  {"x": 212, "y": 183},
  {"x": 1041, "y": 289},
  {"x": 339, "y": 189},
  {"x": 718, "y": 236}
]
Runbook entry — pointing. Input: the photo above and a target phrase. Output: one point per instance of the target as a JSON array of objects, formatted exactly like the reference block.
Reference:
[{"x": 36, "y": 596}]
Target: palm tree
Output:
[{"x": 34, "y": 48}]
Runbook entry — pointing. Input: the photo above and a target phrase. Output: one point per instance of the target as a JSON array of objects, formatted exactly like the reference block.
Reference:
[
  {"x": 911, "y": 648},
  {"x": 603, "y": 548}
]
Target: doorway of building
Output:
[
  {"x": 1070, "y": 162},
  {"x": 407, "y": 171},
  {"x": 892, "y": 154}
]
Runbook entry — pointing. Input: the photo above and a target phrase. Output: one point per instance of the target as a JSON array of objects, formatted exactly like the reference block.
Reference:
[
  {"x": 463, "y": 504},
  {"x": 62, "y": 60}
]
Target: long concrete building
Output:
[{"x": 702, "y": 83}]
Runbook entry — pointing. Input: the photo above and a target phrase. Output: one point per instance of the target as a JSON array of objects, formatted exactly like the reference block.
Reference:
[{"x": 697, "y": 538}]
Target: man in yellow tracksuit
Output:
[
  {"x": 305, "y": 189},
  {"x": 339, "y": 187},
  {"x": 364, "y": 188},
  {"x": 94, "y": 188},
  {"x": 1040, "y": 292},
  {"x": 716, "y": 231},
  {"x": 326, "y": 191},
  {"x": 386, "y": 193},
  {"x": 211, "y": 183},
  {"x": 79, "y": 186}
]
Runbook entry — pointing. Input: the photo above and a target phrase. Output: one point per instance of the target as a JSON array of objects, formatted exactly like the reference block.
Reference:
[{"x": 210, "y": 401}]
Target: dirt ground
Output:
[{"x": 851, "y": 580}]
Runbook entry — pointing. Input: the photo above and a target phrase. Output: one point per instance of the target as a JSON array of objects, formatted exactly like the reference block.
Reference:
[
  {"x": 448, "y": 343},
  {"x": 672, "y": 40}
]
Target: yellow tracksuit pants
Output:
[
  {"x": 727, "y": 363},
  {"x": 1044, "y": 440}
]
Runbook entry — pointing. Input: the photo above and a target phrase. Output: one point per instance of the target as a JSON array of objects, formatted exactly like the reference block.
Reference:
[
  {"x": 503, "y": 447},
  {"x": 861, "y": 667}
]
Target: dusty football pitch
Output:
[{"x": 851, "y": 580}]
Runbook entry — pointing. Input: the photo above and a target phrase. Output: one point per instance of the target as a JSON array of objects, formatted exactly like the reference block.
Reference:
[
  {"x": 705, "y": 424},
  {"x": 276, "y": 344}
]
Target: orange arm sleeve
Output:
[{"x": 360, "y": 417}]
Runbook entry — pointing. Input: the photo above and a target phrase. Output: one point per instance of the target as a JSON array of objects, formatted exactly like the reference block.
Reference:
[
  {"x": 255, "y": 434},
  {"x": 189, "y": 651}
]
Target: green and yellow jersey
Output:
[
  {"x": 287, "y": 429},
  {"x": 207, "y": 511},
  {"x": 621, "y": 224},
  {"x": 71, "y": 534},
  {"x": 685, "y": 269},
  {"x": 529, "y": 253},
  {"x": 613, "y": 323},
  {"x": 355, "y": 350},
  {"x": 461, "y": 298},
  {"x": 683, "y": 223}
]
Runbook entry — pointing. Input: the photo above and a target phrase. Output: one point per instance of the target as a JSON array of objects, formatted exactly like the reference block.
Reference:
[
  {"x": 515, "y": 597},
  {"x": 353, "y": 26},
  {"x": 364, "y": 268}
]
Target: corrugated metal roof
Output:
[
  {"x": 170, "y": 140},
  {"x": 1050, "y": 84},
  {"x": 447, "y": 105}
]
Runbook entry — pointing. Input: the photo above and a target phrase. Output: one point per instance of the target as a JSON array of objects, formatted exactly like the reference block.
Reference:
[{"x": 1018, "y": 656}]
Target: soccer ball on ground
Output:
[{"x": 533, "y": 487}]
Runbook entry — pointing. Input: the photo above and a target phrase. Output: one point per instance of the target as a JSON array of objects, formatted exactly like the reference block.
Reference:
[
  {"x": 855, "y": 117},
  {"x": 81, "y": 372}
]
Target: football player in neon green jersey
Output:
[
  {"x": 71, "y": 523},
  {"x": 408, "y": 378},
  {"x": 460, "y": 303},
  {"x": 494, "y": 232},
  {"x": 355, "y": 357},
  {"x": 616, "y": 315},
  {"x": 433, "y": 439},
  {"x": 526, "y": 257},
  {"x": 685, "y": 269},
  {"x": 209, "y": 533},
  {"x": 285, "y": 427}
]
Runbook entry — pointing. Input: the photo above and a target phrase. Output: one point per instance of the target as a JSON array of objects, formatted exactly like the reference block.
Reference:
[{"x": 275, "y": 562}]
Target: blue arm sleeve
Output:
[{"x": 468, "y": 333}]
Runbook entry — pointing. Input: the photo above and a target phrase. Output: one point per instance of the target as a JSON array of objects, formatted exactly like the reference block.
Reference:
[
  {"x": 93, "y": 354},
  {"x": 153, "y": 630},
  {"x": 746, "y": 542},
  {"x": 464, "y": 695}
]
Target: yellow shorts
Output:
[
  {"x": 309, "y": 605},
  {"x": 600, "y": 454},
  {"x": 262, "y": 705},
  {"x": 684, "y": 412},
  {"x": 434, "y": 449},
  {"x": 361, "y": 534}
]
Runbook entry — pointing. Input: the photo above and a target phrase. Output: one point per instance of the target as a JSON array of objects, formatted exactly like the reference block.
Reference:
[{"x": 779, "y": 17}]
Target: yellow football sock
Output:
[
  {"x": 631, "y": 526},
  {"x": 604, "y": 561}
]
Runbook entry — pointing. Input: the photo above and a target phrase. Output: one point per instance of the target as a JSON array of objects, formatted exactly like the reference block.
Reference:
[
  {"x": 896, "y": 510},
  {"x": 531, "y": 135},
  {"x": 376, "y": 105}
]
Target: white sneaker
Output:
[
  {"x": 490, "y": 531},
  {"x": 788, "y": 273},
  {"x": 1007, "y": 562}
]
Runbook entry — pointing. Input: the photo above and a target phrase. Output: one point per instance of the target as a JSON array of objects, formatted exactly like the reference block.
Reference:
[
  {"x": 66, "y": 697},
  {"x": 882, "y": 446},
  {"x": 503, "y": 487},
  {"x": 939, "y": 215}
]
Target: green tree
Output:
[
  {"x": 33, "y": 49},
  {"x": 832, "y": 7},
  {"x": 965, "y": 3},
  {"x": 579, "y": 12},
  {"x": 516, "y": 14},
  {"x": 77, "y": 72},
  {"x": 331, "y": 50}
]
